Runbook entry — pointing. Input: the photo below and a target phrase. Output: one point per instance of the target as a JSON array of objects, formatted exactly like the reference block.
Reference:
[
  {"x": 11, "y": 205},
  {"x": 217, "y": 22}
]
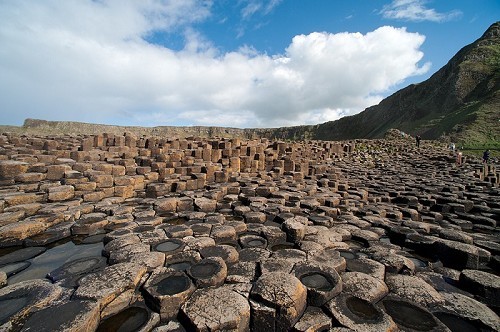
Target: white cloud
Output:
[
  {"x": 415, "y": 10},
  {"x": 251, "y": 7},
  {"x": 89, "y": 61}
]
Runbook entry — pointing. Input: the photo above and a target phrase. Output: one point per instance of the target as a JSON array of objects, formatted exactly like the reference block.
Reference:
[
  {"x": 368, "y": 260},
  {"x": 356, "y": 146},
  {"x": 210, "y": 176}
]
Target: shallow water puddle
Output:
[{"x": 54, "y": 258}]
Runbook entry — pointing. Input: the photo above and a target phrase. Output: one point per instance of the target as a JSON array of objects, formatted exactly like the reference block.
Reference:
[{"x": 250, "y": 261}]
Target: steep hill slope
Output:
[{"x": 460, "y": 100}]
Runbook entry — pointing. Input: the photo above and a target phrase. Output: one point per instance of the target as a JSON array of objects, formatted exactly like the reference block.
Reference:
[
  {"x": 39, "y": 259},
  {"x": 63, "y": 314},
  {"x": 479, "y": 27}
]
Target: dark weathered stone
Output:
[
  {"x": 19, "y": 300},
  {"x": 106, "y": 285},
  {"x": 413, "y": 289},
  {"x": 359, "y": 315},
  {"x": 285, "y": 294},
  {"x": 166, "y": 290},
  {"x": 322, "y": 282},
  {"x": 77, "y": 316},
  {"x": 313, "y": 319},
  {"x": 483, "y": 284},
  {"x": 363, "y": 286},
  {"x": 473, "y": 312},
  {"x": 410, "y": 316},
  {"x": 210, "y": 271}
]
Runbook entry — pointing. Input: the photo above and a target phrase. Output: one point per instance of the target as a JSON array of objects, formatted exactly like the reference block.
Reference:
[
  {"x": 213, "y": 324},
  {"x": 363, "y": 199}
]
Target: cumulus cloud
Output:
[
  {"x": 89, "y": 61},
  {"x": 415, "y": 10}
]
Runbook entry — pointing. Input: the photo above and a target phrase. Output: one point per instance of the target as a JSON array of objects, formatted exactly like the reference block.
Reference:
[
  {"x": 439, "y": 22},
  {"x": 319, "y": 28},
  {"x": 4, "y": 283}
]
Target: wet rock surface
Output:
[{"x": 148, "y": 233}]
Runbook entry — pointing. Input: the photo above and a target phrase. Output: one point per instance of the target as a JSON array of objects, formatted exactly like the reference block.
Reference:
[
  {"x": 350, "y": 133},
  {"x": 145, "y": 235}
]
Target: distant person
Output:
[
  {"x": 459, "y": 157},
  {"x": 452, "y": 147},
  {"x": 418, "y": 138},
  {"x": 486, "y": 156}
]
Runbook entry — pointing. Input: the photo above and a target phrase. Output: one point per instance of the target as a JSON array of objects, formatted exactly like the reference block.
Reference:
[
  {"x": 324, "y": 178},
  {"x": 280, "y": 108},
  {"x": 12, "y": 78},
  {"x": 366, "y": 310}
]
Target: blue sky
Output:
[{"x": 237, "y": 63}]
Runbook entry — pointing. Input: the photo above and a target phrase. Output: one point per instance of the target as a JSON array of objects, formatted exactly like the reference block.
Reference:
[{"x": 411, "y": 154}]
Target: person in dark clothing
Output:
[
  {"x": 486, "y": 156},
  {"x": 418, "y": 138}
]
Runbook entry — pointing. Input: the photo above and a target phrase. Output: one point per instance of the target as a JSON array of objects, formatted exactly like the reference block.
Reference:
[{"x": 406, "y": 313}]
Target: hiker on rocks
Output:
[
  {"x": 459, "y": 157},
  {"x": 486, "y": 156},
  {"x": 418, "y": 138},
  {"x": 452, "y": 147}
]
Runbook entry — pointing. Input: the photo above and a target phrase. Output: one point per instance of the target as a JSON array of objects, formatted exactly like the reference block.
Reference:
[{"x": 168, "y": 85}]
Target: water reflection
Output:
[{"x": 54, "y": 258}]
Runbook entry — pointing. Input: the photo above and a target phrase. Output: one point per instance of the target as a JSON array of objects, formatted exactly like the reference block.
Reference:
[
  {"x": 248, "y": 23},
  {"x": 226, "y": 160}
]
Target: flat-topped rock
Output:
[
  {"x": 19, "y": 300},
  {"x": 409, "y": 316},
  {"x": 313, "y": 319},
  {"x": 106, "y": 285},
  {"x": 359, "y": 315},
  {"x": 167, "y": 290},
  {"x": 285, "y": 294},
  {"x": 216, "y": 309},
  {"x": 364, "y": 286},
  {"x": 67, "y": 316},
  {"x": 483, "y": 284},
  {"x": 462, "y": 310},
  {"x": 413, "y": 289},
  {"x": 9, "y": 169},
  {"x": 15, "y": 233}
]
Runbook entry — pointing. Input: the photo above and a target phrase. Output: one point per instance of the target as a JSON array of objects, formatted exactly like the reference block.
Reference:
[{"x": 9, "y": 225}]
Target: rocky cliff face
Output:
[{"x": 63, "y": 127}]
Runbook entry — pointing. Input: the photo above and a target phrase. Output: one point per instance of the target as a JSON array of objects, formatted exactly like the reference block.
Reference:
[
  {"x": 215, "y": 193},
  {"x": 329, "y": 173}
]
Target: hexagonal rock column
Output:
[
  {"x": 483, "y": 284},
  {"x": 360, "y": 315},
  {"x": 104, "y": 286},
  {"x": 183, "y": 260},
  {"x": 313, "y": 319},
  {"x": 252, "y": 241},
  {"x": 19, "y": 300},
  {"x": 216, "y": 309},
  {"x": 69, "y": 316},
  {"x": 205, "y": 204},
  {"x": 170, "y": 246},
  {"x": 410, "y": 316},
  {"x": 10, "y": 168},
  {"x": 15, "y": 233},
  {"x": 89, "y": 223},
  {"x": 364, "y": 286},
  {"x": 413, "y": 289},
  {"x": 322, "y": 282},
  {"x": 282, "y": 300},
  {"x": 367, "y": 266},
  {"x": 210, "y": 271},
  {"x": 394, "y": 263},
  {"x": 166, "y": 290},
  {"x": 136, "y": 317},
  {"x": 457, "y": 255},
  {"x": 467, "y": 312},
  {"x": 295, "y": 228},
  {"x": 329, "y": 257},
  {"x": 228, "y": 253},
  {"x": 60, "y": 193}
]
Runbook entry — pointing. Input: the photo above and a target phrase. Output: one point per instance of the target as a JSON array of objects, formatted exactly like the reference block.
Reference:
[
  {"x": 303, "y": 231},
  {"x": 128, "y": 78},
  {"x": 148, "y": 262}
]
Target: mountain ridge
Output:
[{"x": 436, "y": 106}]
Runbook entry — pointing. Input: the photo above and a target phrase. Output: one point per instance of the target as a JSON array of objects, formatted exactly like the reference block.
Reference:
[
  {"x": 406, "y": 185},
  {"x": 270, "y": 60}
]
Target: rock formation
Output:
[{"x": 108, "y": 231}]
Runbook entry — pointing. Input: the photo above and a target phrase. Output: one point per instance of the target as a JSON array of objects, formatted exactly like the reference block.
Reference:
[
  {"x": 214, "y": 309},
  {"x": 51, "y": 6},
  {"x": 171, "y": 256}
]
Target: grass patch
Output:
[{"x": 479, "y": 152}]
